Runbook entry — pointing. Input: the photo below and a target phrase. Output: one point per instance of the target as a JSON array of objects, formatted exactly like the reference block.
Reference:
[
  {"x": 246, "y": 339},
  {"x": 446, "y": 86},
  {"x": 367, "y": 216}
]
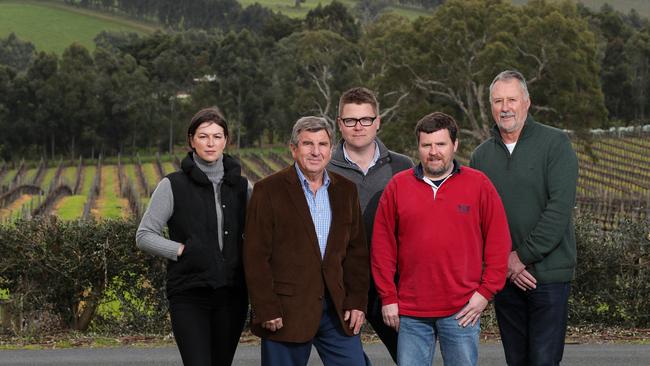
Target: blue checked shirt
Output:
[{"x": 319, "y": 207}]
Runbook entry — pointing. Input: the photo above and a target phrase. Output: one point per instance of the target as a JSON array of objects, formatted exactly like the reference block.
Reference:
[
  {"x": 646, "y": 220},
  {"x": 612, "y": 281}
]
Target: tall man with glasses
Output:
[
  {"x": 361, "y": 157},
  {"x": 305, "y": 257},
  {"x": 443, "y": 228},
  {"x": 535, "y": 170}
]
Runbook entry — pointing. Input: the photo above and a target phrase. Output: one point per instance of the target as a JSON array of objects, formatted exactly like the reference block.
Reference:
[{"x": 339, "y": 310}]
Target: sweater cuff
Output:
[
  {"x": 526, "y": 256},
  {"x": 173, "y": 253},
  {"x": 485, "y": 293},
  {"x": 387, "y": 300}
]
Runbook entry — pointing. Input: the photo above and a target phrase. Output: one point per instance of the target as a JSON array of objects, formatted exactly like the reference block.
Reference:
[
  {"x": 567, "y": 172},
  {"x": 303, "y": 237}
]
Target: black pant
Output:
[
  {"x": 207, "y": 324},
  {"x": 533, "y": 323},
  {"x": 386, "y": 334}
]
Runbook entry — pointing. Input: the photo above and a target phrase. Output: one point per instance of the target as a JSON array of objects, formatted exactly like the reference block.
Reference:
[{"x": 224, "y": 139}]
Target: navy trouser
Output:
[
  {"x": 334, "y": 347},
  {"x": 207, "y": 324},
  {"x": 533, "y": 323}
]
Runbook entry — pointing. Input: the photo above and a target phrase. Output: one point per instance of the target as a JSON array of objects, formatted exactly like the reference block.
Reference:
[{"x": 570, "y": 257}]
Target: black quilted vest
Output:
[{"x": 194, "y": 223}]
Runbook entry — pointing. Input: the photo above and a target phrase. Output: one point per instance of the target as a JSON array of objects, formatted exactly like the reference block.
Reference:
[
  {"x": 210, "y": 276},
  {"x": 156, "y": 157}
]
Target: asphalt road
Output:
[{"x": 489, "y": 355}]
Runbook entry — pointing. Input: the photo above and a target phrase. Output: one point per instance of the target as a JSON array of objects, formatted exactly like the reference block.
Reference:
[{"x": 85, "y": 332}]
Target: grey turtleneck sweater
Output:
[{"x": 149, "y": 236}]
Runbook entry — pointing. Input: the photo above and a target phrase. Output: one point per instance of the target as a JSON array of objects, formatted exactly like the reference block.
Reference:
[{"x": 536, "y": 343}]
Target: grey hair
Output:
[
  {"x": 311, "y": 124},
  {"x": 508, "y": 75}
]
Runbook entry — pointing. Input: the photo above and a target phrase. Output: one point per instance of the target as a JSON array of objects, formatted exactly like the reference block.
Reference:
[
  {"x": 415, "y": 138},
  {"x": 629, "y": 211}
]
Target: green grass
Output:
[
  {"x": 21, "y": 207},
  {"x": 624, "y": 6},
  {"x": 287, "y": 8},
  {"x": 109, "y": 205},
  {"x": 271, "y": 163},
  {"x": 246, "y": 161},
  {"x": 71, "y": 207},
  {"x": 168, "y": 167},
  {"x": 30, "y": 205},
  {"x": 6, "y": 179},
  {"x": 69, "y": 176},
  {"x": 48, "y": 177},
  {"x": 129, "y": 171},
  {"x": 53, "y": 27},
  {"x": 88, "y": 176},
  {"x": 29, "y": 176},
  {"x": 151, "y": 175},
  {"x": 410, "y": 13}
]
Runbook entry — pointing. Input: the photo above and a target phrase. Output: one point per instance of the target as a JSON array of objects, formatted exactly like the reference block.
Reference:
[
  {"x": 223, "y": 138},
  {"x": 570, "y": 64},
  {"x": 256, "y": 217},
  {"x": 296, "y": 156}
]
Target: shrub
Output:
[
  {"x": 86, "y": 274},
  {"x": 66, "y": 267},
  {"x": 612, "y": 285}
]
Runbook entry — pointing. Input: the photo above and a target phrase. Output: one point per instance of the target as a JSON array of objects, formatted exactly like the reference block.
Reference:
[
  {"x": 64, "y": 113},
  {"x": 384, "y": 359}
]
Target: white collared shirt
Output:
[{"x": 374, "y": 160}]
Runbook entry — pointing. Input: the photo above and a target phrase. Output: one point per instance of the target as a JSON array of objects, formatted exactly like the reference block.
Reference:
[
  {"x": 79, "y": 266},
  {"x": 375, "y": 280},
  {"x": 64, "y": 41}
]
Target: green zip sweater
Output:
[{"x": 537, "y": 184}]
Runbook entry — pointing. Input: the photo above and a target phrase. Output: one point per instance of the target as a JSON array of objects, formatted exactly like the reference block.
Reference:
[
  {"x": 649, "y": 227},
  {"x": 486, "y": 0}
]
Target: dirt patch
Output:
[{"x": 15, "y": 205}]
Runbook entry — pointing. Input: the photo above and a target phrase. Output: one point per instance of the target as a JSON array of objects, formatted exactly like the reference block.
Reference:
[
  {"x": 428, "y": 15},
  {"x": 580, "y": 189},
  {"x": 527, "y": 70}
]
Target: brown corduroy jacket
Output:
[{"x": 285, "y": 275}]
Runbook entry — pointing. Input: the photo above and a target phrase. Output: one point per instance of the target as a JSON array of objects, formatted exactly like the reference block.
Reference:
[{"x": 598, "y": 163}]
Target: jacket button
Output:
[
  {"x": 225, "y": 232},
  {"x": 224, "y": 206}
]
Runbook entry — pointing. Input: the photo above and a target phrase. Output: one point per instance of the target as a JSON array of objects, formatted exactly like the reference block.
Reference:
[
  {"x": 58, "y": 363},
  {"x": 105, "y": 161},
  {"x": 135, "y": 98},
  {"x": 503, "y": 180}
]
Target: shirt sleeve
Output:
[
  {"x": 149, "y": 236},
  {"x": 562, "y": 180},
  {"x": 496, "y": 241},
  {"x": 383, "y": 252}
]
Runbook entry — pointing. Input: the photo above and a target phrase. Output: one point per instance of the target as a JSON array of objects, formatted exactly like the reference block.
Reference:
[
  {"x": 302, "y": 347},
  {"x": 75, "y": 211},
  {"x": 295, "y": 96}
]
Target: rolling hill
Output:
[
  {"x": 52, "y": 26},
  {"x": 624, "y": 6}
]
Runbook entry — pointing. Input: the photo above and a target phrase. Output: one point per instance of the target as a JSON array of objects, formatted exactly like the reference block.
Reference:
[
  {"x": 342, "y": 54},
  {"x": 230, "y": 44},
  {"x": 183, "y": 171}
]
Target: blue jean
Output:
[
  {"x": 533, "y": 323},
  {"x": 416, "y": 342},
  {"x": 334, "y": 347}
]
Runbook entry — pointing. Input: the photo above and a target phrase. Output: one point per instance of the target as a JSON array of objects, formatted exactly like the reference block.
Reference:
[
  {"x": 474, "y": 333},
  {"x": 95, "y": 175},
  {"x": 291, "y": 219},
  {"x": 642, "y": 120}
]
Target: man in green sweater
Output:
[{"x": 535, "y": 170}]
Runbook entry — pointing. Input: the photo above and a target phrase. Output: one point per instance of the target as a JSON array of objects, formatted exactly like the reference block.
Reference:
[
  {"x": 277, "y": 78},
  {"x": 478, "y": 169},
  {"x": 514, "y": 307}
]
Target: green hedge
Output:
[
  {"x": 65, "y": 270},
  {"x": 612, "y": 285},
  {"x": 89, "y": 275}
]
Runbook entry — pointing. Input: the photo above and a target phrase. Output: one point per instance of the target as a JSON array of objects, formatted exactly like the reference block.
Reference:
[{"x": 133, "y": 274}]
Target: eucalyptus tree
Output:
[
  {"x": 15, "y": 52},
  {"x": 453, "y": 55},
  {"x": 125, "y": 98},
  {"x": 334, "y": 17},
  {"x": 78, "y": 98},
  {"x": 237, "y": 83},
  {"x": 638, "y": 50},
  {"x": 385, "y": 46},
  {"x": 28, "y": 104},
  {"x": 314, "y": 67},
  {"x": 616, "y": 68}
]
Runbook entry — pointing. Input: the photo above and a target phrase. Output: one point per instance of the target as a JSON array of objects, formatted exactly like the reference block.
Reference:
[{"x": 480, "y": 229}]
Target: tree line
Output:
[{"x": 585, "y": 68}]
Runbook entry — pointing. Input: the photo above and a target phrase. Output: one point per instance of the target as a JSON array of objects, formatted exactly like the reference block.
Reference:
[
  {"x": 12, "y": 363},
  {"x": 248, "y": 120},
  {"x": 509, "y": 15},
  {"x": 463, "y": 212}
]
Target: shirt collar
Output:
[
  {"x": 305, "y": 183},
  {"x": 375, "y": 158}
]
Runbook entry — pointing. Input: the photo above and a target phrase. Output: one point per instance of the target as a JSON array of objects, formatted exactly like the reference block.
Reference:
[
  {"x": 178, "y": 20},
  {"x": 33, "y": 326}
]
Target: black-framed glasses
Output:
[{"x": 365, "y": 121}]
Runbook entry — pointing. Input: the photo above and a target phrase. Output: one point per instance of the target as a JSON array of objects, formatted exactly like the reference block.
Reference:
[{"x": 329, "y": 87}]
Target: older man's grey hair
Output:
[
  {"x": 311, "y": 124},
  {"x": 510, "y": 75}
]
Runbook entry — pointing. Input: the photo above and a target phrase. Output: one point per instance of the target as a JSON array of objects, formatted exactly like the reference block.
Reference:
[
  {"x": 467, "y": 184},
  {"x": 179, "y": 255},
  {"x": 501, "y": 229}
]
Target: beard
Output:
[{"x": 436, "y": 172}]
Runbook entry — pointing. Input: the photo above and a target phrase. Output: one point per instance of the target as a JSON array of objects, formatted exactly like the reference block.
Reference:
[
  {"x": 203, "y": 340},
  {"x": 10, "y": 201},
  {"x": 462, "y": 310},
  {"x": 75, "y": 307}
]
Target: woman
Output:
[{"x": 203, "y": 205}]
